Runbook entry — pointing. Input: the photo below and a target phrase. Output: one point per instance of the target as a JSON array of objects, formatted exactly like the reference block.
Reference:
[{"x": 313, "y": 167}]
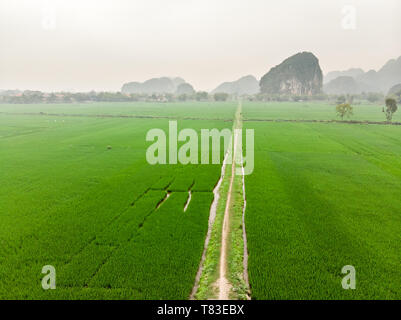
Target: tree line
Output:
[{"x": 29, "y": 96}]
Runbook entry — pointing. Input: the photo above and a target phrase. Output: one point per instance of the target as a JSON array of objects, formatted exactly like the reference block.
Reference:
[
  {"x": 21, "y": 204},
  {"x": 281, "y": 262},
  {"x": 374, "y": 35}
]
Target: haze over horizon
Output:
[{"x": 101, "y": 44}]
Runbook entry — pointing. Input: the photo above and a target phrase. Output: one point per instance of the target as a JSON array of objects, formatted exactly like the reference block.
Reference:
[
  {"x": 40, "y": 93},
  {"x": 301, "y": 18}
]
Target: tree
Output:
[
  {"x": 395, "y": 92},
  {"x": 67, "y": 98},
  {"x": 390, "y": 109},
  {"x": 201, "y": 95},
  {"x": 350, "y": 98},
  {"x": 182, "y": 97},
  {"x": 220, "y": 96},
  {"x": 374, "y": 97},
  {"x": 341, "y": 100},
  {"x": 344, "y": 109},
  {"x": 184, "y": 88}
]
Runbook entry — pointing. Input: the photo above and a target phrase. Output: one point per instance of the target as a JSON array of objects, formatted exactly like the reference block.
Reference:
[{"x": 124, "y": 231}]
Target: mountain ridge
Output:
[
  {"x": 371, "y": 81},
  {"x": 154, "y": 85},
  {"x": 244, "y": 85}
]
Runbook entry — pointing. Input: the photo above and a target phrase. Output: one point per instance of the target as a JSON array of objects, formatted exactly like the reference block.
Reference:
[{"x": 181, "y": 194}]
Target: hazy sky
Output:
[{"x": 100, "y": 44}]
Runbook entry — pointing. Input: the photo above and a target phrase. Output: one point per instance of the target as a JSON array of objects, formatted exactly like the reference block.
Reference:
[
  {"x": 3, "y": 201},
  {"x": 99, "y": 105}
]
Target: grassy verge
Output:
[
  {"x": 210, "y": 273},
  {"x": 235, "y": 255},
  {"x": 236, "y": 243}
]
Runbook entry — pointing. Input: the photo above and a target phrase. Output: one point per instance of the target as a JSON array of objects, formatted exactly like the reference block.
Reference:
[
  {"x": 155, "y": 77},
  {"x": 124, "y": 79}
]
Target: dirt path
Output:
[
  {"x": 213, "y": 279},
  {"x": 223, "y": 282},
  {"x": 212, "y": 217}
]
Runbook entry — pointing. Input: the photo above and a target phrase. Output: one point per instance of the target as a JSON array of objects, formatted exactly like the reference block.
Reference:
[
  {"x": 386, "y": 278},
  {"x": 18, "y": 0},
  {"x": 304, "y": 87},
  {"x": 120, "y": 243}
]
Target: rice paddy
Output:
[{"x": 77, "y": 193}]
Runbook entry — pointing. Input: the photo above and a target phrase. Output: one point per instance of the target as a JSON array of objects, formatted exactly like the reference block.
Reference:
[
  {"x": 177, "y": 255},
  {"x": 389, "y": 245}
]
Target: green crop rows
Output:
[
  {"x": 78, "y": 194},
  {"x": 323, "y": 196},
  {"x": 309, "y": 110}
]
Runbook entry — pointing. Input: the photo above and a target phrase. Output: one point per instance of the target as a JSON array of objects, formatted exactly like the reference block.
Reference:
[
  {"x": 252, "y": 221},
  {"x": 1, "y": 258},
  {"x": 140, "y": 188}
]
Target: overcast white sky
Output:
[{"x": 100, "y": 44}]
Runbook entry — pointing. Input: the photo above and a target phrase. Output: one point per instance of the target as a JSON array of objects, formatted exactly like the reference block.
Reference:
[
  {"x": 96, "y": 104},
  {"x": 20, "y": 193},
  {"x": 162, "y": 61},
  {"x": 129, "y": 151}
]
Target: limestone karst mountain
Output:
[
  {"x": 245, "y": 85},
  {"x": 299, "y": 74},
  {"x": 154, "y": 85},
  {"x": 342, "y": 85},
  {"x": 184, "y": 88},
  {"x": 353, "y": 73},
  {"x": 372, "y": 81}
]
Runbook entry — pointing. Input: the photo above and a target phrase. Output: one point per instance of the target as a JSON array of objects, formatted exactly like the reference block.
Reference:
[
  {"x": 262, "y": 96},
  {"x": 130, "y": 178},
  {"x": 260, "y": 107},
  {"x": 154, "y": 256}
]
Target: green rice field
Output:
[
  {"x": 77, "y": 193},
  {"x": 323, "y": 196}
]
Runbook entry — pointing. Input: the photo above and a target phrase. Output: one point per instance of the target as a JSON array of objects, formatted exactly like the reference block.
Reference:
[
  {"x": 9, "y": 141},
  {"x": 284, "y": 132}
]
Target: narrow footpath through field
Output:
[
  {"x": 223, "y": 283},
  {"x": 222, "y": 271}
]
